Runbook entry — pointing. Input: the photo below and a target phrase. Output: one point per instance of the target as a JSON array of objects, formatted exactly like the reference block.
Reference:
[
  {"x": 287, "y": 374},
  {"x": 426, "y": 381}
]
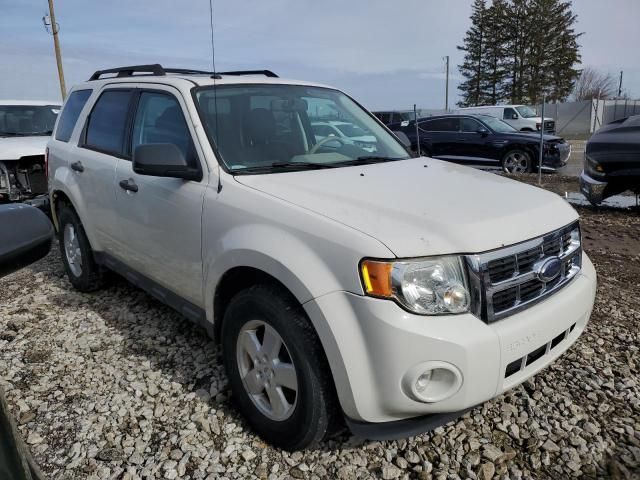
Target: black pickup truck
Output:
[{"x": 612, "y": 160}]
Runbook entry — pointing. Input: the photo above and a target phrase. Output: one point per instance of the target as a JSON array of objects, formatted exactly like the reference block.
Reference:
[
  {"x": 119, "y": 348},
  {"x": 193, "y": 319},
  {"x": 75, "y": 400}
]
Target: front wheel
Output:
[
  {"x": 277, "y": 369},
  {"x": 517, "y": 161}
]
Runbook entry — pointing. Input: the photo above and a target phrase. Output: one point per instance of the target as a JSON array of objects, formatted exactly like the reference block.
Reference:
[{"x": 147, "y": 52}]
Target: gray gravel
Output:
[{"x": 113, "y": 385}]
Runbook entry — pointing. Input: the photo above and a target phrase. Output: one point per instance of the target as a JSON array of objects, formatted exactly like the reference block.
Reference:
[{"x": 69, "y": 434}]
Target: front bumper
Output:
[
  {"x": 592, "y": 189},
  {"x": 557, "y": 158},
  {"x": 371, "y": 344}
]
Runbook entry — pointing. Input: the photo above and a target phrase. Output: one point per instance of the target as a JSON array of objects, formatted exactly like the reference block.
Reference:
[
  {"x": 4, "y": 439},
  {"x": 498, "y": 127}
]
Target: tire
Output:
[
  {"x": 77, "y": 256},
  {"x": 310, "y": 412},
  {"x": 517, "y": 161}
]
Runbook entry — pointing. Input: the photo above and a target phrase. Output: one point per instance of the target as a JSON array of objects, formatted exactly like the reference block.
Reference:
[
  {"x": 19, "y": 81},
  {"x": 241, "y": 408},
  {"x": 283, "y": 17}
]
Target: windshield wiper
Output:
[
  {"x": 25, "y": 134},
  {"x": 368, "y": 159},
  {"x": 283, "y": 166}
]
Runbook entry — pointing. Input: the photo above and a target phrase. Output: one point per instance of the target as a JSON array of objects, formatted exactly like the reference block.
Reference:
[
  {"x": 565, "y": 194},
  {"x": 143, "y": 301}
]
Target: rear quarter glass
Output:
[{"x": 70, "y": 113}]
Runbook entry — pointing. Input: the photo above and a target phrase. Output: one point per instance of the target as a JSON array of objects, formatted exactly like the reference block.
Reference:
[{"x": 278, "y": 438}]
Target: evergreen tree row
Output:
[{"x": 516, "y": 50}]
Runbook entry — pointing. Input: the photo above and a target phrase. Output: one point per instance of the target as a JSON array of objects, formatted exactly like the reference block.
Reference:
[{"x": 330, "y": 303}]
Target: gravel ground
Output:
[{"x": 113, "y": 385}]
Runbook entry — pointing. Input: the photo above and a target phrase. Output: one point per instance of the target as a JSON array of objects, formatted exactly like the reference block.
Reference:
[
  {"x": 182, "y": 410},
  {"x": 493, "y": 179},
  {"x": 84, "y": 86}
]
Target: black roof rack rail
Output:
[
  {"x": 188, "y": 71},
  {"x": 266, "y": 73},
  {"x": 159, "y": 70},
  {"x": 153, "y": 69}
]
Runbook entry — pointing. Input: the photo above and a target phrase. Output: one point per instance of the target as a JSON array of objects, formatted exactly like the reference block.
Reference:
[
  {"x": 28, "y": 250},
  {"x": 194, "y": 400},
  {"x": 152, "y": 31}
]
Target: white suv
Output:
[{"x": 389, "y": 291}]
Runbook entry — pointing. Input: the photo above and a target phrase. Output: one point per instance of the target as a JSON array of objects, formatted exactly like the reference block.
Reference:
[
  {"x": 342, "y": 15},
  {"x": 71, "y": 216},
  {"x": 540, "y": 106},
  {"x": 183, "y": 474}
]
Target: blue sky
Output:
[{"x": 387, "y": 54}]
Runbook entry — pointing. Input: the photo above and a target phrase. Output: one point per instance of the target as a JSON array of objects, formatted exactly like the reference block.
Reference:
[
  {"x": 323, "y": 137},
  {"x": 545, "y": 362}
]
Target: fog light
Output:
[
  {"x": 423, "y": 381},
  {"x": 431, "y": 382}
]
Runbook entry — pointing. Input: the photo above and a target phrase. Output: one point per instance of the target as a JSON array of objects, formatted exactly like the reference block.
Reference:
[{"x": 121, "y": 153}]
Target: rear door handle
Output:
[
  {"x": 129, "y": 185},
  {"x": 77, "y": 166}
]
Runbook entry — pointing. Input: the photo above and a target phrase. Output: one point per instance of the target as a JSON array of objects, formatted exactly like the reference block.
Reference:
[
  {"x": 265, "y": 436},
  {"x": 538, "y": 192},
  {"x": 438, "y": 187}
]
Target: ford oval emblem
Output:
[{"x": 549, "y": 269}]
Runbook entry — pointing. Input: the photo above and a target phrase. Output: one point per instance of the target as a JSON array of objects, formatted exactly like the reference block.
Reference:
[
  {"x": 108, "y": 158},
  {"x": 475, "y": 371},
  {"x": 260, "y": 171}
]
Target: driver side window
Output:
[
  {"x": 159, "y": 119},
  {"x": 509, "y": 114}
]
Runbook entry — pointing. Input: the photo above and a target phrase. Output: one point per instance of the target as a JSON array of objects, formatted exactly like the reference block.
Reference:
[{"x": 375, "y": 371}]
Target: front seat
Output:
[{"x": 261, "y": 142}]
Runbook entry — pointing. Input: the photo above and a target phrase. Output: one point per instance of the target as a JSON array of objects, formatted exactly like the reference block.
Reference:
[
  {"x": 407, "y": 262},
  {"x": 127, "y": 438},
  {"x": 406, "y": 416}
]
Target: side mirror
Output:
[
  {"x": 28, "y": 239},
  {"x": 483, "y": 131},
  {"x": 404, "y": 140},
  {"x": 163, "y": 160},
  {"x": 514, "y": 116}
]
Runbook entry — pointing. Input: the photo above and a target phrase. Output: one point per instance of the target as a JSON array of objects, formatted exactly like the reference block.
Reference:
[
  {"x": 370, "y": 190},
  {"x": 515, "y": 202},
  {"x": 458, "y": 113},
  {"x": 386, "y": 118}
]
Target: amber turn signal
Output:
[{"x": 376, "y": 277}]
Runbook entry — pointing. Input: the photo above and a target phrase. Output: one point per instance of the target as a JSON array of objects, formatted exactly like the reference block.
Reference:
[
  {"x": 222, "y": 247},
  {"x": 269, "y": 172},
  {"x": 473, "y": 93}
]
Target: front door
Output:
[
  {"x": 473, "y": 146},
  {"x": 161, "y": 217}
]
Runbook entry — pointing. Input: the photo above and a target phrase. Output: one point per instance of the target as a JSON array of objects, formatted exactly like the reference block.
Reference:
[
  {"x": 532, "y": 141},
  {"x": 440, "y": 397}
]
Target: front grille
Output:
[{"x": 508, "y": 280}]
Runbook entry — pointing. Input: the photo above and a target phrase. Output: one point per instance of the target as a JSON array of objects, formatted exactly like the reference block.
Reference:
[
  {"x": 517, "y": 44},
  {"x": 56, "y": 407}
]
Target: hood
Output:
[
  {"x": 12, "y": 148},
  {"x": 534, "y": 135},
  {"x": 421, "y": 206}
]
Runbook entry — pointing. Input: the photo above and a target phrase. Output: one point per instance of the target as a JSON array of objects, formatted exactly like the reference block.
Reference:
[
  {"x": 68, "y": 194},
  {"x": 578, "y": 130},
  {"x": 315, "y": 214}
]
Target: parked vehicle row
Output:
[
  {"x": 25, "y": 127},
  {"x": 344, "y": 280},
  {"x": 484, "y": 140}
]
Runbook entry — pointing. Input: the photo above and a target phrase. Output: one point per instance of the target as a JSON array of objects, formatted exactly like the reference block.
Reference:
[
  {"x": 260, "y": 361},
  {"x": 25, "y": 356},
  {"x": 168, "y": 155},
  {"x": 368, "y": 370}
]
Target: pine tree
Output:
[
  {"x": 473, "y": 46},
  {"x": 493, "y": 62},
  {"x": 516, "y": 50}
]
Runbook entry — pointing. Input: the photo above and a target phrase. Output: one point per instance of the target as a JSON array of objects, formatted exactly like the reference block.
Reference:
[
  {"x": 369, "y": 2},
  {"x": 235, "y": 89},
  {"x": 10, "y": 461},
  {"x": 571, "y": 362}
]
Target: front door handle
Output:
[
  {"x": 77, "y": 166},
  {"x": 129, "y": 185}
]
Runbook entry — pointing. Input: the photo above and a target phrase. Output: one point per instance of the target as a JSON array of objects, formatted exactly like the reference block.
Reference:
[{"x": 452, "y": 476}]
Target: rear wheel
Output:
[
  {"x": 277, "y": 369},
  {"x": 77, "y": 256},
  {"x": 516, "y": 161}
]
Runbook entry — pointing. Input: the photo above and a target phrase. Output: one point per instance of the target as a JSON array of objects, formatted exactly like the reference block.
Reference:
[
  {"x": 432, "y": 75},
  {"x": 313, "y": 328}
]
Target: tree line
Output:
[{"x": 517, "y": 50}]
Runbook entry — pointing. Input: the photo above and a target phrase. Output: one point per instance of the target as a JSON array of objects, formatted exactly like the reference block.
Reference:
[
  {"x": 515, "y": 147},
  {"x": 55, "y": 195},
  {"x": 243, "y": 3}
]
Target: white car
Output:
[
  {"x": 25, "y": 127},
  {"x": 388, "y": 292},
  {"x": 345, "y": 130},
  {"x": 520, "y": 117}
]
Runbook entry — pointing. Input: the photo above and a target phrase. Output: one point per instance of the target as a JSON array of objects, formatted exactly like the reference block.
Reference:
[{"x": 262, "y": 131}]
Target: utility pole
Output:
[
  {"x": 620, "y": 86},
  {"x": 56, "y": 46},
  {"x": 446, "y": 95}
]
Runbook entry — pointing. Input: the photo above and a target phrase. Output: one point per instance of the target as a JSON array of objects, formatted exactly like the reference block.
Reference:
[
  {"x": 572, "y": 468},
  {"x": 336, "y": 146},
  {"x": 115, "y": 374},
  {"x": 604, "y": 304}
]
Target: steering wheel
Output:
[{"x": 317, "y": 146}]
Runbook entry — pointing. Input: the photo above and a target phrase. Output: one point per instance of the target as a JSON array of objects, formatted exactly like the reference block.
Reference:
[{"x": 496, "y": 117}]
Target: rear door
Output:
[
  {"x": 161, "y": 219},
  {"x": 94, "y": 164},
  {"x": 440, "y": 135}
]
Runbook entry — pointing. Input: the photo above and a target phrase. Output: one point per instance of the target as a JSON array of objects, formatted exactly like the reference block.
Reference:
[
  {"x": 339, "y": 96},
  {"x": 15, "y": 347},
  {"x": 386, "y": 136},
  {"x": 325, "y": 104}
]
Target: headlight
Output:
[
  {"x": 593, "y": 167},
  {"x": 433, "y": 286}
]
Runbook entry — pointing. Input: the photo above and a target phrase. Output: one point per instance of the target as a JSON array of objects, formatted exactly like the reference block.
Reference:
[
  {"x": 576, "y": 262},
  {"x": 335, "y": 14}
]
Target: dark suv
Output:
[
  {"x": 482, "y": 139},
  {"x": 391, "y": 117},
  {"x": 612, "y": 160}
]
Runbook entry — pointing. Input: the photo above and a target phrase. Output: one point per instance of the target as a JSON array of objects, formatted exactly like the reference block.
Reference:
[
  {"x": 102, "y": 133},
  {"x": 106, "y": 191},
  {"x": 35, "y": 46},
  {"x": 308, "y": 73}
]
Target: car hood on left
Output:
[
  {"x": 528, "y": 136},
  {"x": 420, "y": 207},
  {"x": 12, "y": 148}
]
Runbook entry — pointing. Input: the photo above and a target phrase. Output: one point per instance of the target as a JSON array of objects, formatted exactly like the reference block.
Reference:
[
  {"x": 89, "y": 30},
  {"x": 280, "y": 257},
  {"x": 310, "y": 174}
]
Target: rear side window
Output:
[
  {"x": 107, "y": 122},
  {"x": 441, "y": 125},
  {"x": 70, "y": 113}
]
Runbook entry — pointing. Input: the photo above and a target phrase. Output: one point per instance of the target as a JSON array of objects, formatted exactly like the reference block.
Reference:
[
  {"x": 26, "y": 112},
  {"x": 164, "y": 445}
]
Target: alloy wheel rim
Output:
[
  {"x": 516, "y": 162},
  {"x": 72, "y": 250},
  {"x": 266, "y": 369}
]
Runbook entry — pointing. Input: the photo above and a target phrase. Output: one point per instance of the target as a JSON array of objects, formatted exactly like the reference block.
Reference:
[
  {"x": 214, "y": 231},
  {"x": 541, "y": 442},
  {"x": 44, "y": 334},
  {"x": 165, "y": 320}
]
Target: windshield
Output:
[
  {"x": 496, "y": 124},
  {"x": 24, "y": 120},
  {"x": 526, "y": 112},
  {"x": 270, "y": 128}
]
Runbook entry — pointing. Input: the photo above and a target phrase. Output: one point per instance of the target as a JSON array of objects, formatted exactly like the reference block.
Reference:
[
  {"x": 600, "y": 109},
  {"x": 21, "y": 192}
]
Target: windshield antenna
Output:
[{"x": 215, "y": 77}]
